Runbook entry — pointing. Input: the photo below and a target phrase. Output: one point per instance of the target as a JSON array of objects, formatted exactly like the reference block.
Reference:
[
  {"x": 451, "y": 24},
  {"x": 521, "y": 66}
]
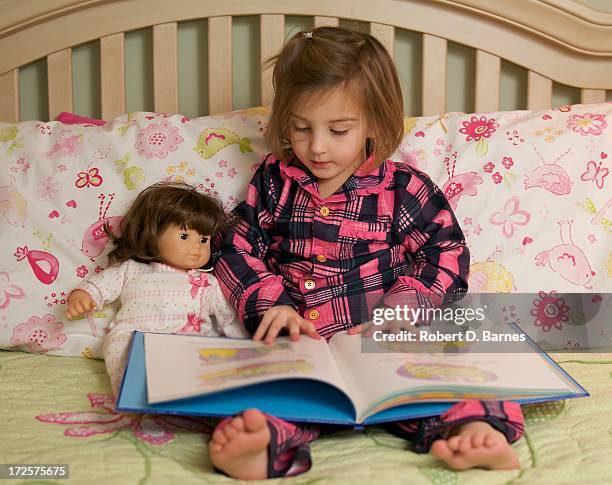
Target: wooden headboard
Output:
[{"x": 554, "y": 40}]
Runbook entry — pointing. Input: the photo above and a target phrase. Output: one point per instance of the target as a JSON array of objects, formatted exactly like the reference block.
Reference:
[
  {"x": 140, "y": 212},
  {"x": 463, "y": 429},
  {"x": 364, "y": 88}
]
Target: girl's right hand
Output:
[
  {"x": 283, "y": 316},
  {"x": 79, "y": 303}
]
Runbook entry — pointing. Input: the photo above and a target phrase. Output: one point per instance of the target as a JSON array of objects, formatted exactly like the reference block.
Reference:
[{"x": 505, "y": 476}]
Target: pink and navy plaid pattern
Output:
[
  {"x": 504, "y": 416},
  {"x": 387, "y": 236}
]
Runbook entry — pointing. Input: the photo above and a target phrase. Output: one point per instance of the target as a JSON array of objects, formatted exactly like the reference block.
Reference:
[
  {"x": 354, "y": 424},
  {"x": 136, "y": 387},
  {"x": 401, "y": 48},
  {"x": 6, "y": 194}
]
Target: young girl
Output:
[
  {"x": 330, "y": 230},
  {"x": 155, "y": 270}
]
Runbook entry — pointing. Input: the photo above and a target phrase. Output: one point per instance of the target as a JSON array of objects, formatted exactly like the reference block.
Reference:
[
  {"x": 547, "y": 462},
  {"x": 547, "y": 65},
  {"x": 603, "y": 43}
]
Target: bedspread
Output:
[{"x": 58, "y": 410}]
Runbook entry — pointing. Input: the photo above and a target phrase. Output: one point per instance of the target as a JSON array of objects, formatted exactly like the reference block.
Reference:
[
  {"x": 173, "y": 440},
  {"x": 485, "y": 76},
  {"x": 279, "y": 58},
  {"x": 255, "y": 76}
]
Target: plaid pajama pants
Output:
[{"x": 289, "y": 452}]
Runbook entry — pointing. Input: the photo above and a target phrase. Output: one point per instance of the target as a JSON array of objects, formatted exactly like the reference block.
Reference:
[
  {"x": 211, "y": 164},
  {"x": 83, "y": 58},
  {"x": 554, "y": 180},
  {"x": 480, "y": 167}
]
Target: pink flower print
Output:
[
  {"x": 507, "y": 162},
  {"x": 589, "y": 124},
  {"x": 154, "y": 430},
  {"x": 8, "y": 291},
  {"x": 232, "y": 172},
  {"x": 467, "y": 221},
  {"x": 62, "y": 167},
  {"x": 497, "y": 178},
  {"x": 25, "y": 165},
  {"x": 82, "y": 271},
  {"x": 39, "y": 334},
  {"x": 223, "y": 163},
  {"x": 510, "y": 217},
  {"x": 47, "y": 189},
  {"x": 478, "y": 128},
  {"x": 99, "y": 269},
  {"x": 477, "y": 229},
  {"x": 157, "y": 140},
  {"x": 591, "y": 237},
  {"x": 440, "y": 141},
  {"x": 453, "y": 189},
  {"x": 549, "y": 311},
  {"x": 488, "y": 167}
]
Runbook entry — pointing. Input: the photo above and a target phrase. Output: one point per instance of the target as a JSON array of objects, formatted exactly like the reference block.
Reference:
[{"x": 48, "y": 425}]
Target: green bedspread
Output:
[{"x": 57, "y": 410}]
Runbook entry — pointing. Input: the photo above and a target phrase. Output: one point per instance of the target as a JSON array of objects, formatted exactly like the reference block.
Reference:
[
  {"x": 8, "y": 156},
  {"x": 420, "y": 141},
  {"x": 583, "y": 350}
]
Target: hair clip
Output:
[{"x": 307, "y": 35}]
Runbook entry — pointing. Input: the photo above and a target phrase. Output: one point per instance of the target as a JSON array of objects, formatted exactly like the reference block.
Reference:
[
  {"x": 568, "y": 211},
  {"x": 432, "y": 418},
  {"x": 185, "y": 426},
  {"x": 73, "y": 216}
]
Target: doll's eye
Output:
[
  {"x": 204, "y": 240},
  {"x": 184, "y": 236}
]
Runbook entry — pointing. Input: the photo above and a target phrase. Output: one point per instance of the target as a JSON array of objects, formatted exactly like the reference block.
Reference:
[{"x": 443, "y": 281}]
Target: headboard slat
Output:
[
  {"x": 112, "y": 75},
  {"x": 272, "y": 33},
  {"x": 488, "y": 68},
  {"x": 165, "y": 67},
  {"x": 434, "y": 74},
  {"x": 220, "y": 56},
  {"x": 539, "y": 91},
  {"x": 59, "y": 74},
  {"x": 326, "y": 21},
  {"x": 592, "y": 96},
  {"x": 385, "y": 34},
  {"x": 9, "y": 101}
]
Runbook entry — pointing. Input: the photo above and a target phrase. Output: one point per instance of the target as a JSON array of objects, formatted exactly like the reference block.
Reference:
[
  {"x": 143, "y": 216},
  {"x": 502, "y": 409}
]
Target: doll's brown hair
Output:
[
  {"x": 157, "y": 207},
  {"x": 332, "y": 56}
]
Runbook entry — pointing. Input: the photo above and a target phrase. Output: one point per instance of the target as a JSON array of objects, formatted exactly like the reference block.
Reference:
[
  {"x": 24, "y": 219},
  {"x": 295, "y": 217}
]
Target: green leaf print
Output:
[
  {"x": 482, "y": 147},
  {"x": 245, "y": 145}
]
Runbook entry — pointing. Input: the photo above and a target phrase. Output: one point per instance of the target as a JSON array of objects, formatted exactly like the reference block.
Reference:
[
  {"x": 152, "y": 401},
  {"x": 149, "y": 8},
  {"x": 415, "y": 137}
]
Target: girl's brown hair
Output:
[
  {"x": 328, "y": 57},
  {"x": 157, "y": 207}
]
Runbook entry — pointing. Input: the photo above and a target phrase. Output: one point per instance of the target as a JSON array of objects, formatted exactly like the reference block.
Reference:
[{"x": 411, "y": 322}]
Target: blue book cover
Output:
[{"x": 207, "y": 376}]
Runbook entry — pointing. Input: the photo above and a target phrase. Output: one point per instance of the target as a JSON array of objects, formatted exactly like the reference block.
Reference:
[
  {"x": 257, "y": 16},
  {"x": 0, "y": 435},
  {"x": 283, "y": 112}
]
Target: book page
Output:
[
  {"x": 180, "y": 366},
  {"x": 375, "y": 377}
]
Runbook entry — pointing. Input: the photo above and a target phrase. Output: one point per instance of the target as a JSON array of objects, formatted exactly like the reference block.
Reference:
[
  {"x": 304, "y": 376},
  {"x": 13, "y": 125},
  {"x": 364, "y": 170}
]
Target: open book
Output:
[{"x": 334, "y": 382}]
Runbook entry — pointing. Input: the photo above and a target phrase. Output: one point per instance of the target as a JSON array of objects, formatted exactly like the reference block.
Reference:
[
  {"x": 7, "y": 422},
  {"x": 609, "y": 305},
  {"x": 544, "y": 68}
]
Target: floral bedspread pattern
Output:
[{"x": 531, "y": 190}]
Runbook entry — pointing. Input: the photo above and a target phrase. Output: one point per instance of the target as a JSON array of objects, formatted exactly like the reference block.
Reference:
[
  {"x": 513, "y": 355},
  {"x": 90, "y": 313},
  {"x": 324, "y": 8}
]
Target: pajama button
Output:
[
  {"x": 324, "y": 211},
  {"x": 309, "y": 284},
  {"x": 321, "y": 258},
  {"x": 313, "y": 314}
]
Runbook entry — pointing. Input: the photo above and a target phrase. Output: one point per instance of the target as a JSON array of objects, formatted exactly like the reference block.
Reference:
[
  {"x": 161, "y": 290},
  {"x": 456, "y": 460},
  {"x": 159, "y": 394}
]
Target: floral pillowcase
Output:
[
  {"x": 530, "y": 189},
  {"x": 532, "y": 193}
]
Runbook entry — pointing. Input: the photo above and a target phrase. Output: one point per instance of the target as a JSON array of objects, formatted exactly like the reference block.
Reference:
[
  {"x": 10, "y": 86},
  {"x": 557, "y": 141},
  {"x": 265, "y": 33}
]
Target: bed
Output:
[{"x": 526, "y": 170}]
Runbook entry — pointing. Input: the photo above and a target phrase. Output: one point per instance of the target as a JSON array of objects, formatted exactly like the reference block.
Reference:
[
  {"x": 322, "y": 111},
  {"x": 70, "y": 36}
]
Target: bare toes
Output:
[
  {"x": 230, "y": 432},
  {"x": 466, "y": 444},
  {"x": 454, "y": 442},
  {"x": 478, "y": 440},
  {"x": 238, "y": 423},
  {"x": 218, "y": 436}
]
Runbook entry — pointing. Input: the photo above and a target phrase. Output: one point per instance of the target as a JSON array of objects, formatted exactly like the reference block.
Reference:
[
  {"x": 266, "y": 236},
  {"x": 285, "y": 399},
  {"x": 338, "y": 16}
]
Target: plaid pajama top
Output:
[{"x": 387, "y": 236}]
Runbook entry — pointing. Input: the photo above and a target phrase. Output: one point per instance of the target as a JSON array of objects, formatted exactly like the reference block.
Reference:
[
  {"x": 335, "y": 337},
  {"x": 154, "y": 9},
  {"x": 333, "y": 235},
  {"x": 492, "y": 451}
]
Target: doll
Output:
[{"x": 157, "y": 271}]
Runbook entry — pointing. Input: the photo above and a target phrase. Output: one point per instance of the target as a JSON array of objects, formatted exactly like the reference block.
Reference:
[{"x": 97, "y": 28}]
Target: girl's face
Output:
[
  {"x": 183, "y": 248},
  {"x": 328, "y": 135}
]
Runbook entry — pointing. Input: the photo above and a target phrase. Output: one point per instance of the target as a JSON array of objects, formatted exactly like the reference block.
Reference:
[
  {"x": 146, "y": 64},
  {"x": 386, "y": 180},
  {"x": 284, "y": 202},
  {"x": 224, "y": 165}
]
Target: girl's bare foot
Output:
[
  {"x": 476, "y": 445},
  {"x": 240, "y": 448}
]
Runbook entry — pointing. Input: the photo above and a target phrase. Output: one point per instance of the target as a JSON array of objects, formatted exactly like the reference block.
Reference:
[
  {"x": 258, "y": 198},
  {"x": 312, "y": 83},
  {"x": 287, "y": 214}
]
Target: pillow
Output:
[
  {"x": 74, "y": 119},
  {"x": 532, "y": 193},
  {"x": 530, "y": 189},
  {"x": 59, "y": 183}
]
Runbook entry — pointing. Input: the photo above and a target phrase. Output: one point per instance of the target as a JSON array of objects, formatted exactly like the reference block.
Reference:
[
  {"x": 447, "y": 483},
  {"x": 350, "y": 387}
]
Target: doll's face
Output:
[{"x": 183, "y": 248}]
